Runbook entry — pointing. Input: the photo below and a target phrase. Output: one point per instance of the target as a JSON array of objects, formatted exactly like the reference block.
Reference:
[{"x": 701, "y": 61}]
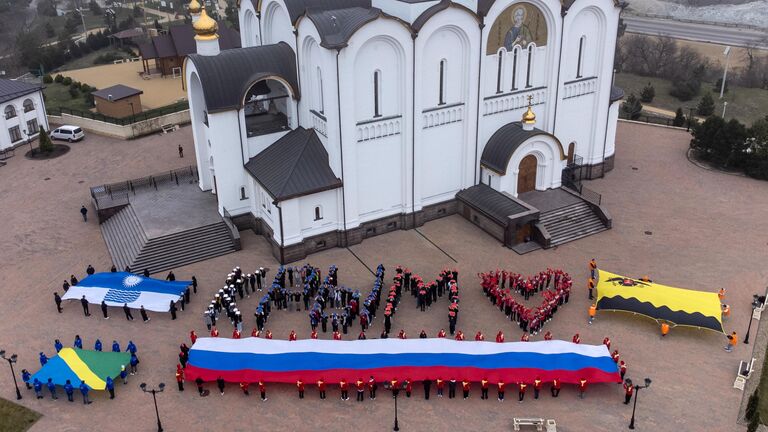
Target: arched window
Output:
[
  {"x": 530, "y": 63},
  {"x": 318, "y": 213},
  {"x": 441, "y": 97},
  {"x": 376, "y": 93},
  {"x": 28, "y": 105},
  {"x": 243, "y": 196},
  {"x": 500, "y": 69},
  {"x": 320, "y": 96},
  {"x": 10, "y": 112},
  {"x": 515, "y": 52},
  {"x": 580, "y": 60}
]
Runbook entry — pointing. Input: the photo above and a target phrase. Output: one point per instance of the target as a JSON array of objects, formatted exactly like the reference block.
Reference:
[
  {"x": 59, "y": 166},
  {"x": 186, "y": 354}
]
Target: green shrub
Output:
[
  {"x": 706, "y": 105},
  {"x": 75, "y": 85},
  {"x": 73, "y": 92},
  {"x": 47, "y": 79},
  {"x": 58, "y": 78},
  {"x": 66, "y": 81},
  {"x": 679, "y": 120},
  {"x": 754, "y": 424},
  {"x": 85, "y": 88},
  {"x": 752, "y": 405},
  {"x": 46, "y": 146},
  {"x": 632, "y": 107},
  {"x": 685, "y": 89},
  {"x": 648, "y": 93},
  {"x": 107, "y": 58}
]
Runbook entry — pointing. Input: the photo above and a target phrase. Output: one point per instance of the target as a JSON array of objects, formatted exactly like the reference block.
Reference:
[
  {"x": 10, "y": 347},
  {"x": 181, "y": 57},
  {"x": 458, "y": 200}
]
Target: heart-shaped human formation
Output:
[{"x": 553, "y": 285}]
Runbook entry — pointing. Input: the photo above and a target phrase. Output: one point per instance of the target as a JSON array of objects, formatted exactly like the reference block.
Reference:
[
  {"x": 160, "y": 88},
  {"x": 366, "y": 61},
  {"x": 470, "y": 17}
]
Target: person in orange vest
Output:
[
  {"x": 192, "y": 336},
  {"x": 408, "y": 387},
  {"x": 263, "y": 391},
  {"x": 465, "y": 388},
  {"x": 441, "y": 333},
  {"x": 628, "y": 390},
  {"x": 440, "y": 384},
  {"x": 521, "y": 391},
  {"x": 582, "y": 387},
  {"x": 214, "y": 332},
  {"x": 732, "y": 341},
  {"x": 236, "y": 334},
  {"x": 313, "y": 335},
  {"x": 402, "y": 335},
  {"x": 255, "y": 332},
  {"x": 646, "y": 279},
  {"x": 344, "y": 389},
  {"x": 548, "y": 336},
  {"x": 524, "y": 338},
  {"x": 300, "y": 388},
  {"x": 591, "y": 286},
  {"x": 622, "y": 368},
  {"x": 592, "y": 268},
  {"x": 321, "y": 388},
  {"x": 721, "y": 294},
  {"x": 372, "y": 386},
  {"x": 459, "y": 336},
  {"x": 536, "y": 387},
  {"x": 483, "y": 388},
  {"x": 269, "y": 334},
  {"x": 576, "y": 338},
  {"x": 479, "y": 336},
  {"x": 664, "y": 329},
  {"x": 180, "y": 377},
  {"x": 500, "y": 385},
  {"x": 292, "y": 336},
  {"x": 592, "y": 312},
  {"x": 360, "y": 384},
  {"x": 726, "y": 311},
  {"x": 607, "y": 342},
  {"x": 500, "y": 337},
  {"x": 244, "y": 388},
  {"x": 336, "y": 335},
  {"x": 555, "y": 389}
]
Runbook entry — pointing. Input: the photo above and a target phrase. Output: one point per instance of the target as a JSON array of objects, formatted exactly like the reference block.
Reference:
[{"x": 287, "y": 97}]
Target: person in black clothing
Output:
[
  {"x": 72, "y": 280},
  {"x": 173, "y": 310},
  {"x": 90, "y": 270},
  {"x": 220, "y": 384},
  {"x": 146, "y": 272},
  {"x": 199, "y": 382},
  {"x": 84, "y": 302},
  {"x": 65, "y": 285},
  {"x": 171, "y": 277},
  {"x": 127, "y": 310},
  {"x": 181, "y": 151},
  {"x": 427, "y": 387},
  {"x": 84, "y": 212},
  {"x": 451, "y": 389},
  {"x": 143, "y": 313},
  {"x": 113, "y": 269},
  {"x": 104, "y": 309},
  {"x": 57, "y": 299},
  {"x": 194, "y": 284},
  {"x": 127, "y": 269}
]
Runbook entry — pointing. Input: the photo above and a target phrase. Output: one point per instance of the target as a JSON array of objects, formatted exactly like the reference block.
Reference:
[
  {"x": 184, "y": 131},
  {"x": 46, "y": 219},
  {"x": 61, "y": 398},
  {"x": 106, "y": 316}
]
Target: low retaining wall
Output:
[{"x": 141, "y": 128}]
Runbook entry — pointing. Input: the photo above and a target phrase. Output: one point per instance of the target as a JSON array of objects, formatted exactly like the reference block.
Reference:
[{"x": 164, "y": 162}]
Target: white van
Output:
[{"x": 69, "y": 133}]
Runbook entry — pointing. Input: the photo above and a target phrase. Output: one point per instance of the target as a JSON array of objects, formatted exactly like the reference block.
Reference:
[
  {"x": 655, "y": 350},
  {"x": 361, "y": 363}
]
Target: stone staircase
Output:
[
  {"x": 571, "y": 222},
  {"x": 128, "y": 244}
]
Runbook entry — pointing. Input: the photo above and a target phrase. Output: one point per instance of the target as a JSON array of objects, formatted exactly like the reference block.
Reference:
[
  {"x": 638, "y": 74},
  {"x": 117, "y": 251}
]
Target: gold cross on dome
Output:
[{"x": 530, "y": 98}]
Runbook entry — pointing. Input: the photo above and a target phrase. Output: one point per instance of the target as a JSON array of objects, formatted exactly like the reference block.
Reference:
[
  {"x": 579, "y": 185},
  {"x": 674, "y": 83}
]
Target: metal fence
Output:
[
  {"x": 571, "y": 179},
  {"x": 145, "y": 115},
  {"x": 652, "y": 119},
  {"x": 114, "y": 194}
]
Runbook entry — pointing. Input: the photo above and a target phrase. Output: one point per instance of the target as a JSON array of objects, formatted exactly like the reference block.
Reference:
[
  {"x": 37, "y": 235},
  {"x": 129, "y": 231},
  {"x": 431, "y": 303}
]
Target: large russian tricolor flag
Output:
[{"x": 254, "y": 359}]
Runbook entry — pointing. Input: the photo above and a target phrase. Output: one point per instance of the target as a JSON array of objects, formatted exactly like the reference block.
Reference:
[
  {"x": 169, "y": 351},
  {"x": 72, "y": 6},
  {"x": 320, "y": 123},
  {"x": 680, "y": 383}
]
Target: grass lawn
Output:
[
  {"x": 744, "y": 104},
  {"x": 87, "y": 60},
  {"x": 15, "y": 418},
  {"x": 57, "y": 96}
]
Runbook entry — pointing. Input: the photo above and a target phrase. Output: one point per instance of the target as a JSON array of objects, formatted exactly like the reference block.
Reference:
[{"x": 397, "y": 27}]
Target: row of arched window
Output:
[
  {"x": 10, "y": 110},
  {"x": 515, "y": 55}
]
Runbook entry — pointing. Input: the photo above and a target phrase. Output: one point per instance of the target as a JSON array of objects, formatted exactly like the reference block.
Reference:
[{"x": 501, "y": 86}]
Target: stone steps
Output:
[{"x": 571, "y": 223}]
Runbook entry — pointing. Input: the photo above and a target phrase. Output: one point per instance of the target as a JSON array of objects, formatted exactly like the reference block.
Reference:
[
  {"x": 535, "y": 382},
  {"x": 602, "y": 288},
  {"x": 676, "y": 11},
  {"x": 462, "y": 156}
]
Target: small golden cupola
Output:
[
  {"x": 195, "y": 7},
  {"x": 529, "y": 117},
  {"x": 206, "y": 28}
]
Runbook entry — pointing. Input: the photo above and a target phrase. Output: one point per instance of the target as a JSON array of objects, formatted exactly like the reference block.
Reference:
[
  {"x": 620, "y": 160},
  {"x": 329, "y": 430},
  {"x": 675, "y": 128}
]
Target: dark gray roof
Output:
[
  {"x": 499, "y": 149},
  {"x": 294, "y": 166},
  {"x": 491, "y": 202},
  {"x": 147, "y": 50},
  {"x": 11, "y": 89},
  {"x": 180, "y": 42},
  {"x": 617, "y": 93},
  {"x": 337, "y": 26},
  {"x": 297, "y": 8},
  {"x": 226, "y": 77},
  {"x": 422, "y": 19},
  {"x": 118, "y": 92}
]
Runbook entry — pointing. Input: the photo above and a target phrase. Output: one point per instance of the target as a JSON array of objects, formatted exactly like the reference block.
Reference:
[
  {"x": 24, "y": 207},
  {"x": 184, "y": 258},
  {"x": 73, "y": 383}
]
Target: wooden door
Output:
[
  {"x": 526, "y": 177},
  {"x": 523, "y": 232}
]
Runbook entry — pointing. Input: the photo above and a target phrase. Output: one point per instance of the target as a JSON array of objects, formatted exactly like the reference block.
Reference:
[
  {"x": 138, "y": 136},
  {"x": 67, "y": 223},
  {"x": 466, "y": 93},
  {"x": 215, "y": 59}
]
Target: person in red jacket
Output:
[
  {"x": 236, "y": 334},
  {"x": 459, "y": 336},
  {"x": 292, "y": 336},
  {"x": 214, "y": 332},
  {"x": 263, "y": 391},
  {"x": 269, "y": 334},
  {"x": 300, "y": 388},
  {"x": 548, "y": 336},
  {"x": 615, "y": 356},
  {"x": 525, "y": 338},
  {"x": 313, "y": 335},
  {"x": 607, "y": 342},
  {"x": 628, "y": 390},
  {"x": 622, "y": 368},
  {"x": 180, "y": 377},
  {"x": 255, "y": 332},
  {"x": 408, "y": 387},
  {"x": 500, "y": 386},
  {"x": 440, "y": 384},
  {"x": 576, "y": 338},
  {"x": 484, "y": 388},
  {"x": 192, "y": 336},
  {"x": 500, "y": 337},
  {"x": 372, "y": 387},
  {"x": 555, "y": 387},
  {"x": 360, "y": 385},
  {"x": 536, "y": 387},
  {"x": 321, "y": 388},
  {"x": 521, "y": 391},
  {"x": 479, "y": 336},
  {"x": 336, "y": 335},
  {"x": 244, "y": 388},
  {"x": 441, "y": 333},
  {"x": 344, "y": 389},
  {"x": 465, "y": 388},
  {"x": 402, "y": 335},
  {"x": 582, "y": 387}
]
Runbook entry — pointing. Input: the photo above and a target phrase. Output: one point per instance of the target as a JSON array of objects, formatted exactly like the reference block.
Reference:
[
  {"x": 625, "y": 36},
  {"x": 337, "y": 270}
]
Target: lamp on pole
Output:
[
  {"x": 755, "y": 304},
  {"x": 29, "y": 140},
  {"x": 727, "y": 54},
  {"x": 690, "y": 118},
  {"x": 154, "y": 393},
  {"x": 394, "y": 393},
  {"x": 637, "y": 393},
  {"x": 725, "y": 104},
  {"x": 11, "y": 360}
]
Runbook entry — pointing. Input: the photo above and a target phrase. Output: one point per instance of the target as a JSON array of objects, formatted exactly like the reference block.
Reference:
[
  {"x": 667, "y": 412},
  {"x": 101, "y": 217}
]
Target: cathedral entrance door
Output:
[{"x": 526, "y": 177}]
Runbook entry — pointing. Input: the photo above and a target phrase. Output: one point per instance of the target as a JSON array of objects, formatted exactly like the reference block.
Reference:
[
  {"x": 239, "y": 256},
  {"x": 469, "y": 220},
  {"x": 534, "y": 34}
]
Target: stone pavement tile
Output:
[{"x": 708, "y": 231}]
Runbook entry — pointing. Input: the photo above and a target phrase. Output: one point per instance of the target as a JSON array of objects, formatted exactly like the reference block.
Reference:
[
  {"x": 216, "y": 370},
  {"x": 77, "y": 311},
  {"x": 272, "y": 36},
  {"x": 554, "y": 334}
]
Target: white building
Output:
[
  {"x": 342, "y": 119},
  {"x": 23, "y": 112}
]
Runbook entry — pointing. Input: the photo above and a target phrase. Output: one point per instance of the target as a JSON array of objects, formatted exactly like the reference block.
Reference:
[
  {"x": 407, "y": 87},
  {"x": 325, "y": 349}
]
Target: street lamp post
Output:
[
  {"x": 727, "y": 54},
  {"x": 755, "y": 304},
  {"x": 11, "y": 360},
  {"x": 690, "y": 118},
  {"x": 397, "y": 427},
  {"x": 154, "y": 393},
  {"x": 29, "y": 141},
  {"x": 725, "y": 104},
  {"x": 634, "y": 406}
]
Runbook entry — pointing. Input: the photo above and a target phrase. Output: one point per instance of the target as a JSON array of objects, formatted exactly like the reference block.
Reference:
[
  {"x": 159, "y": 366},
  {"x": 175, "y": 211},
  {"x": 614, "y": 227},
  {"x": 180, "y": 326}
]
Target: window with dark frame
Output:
[
  {"x": 318, "y": 213},
  {"x": 579, "y": 60},
  {"x": 32, "y": 127},
  {"x": 321, "y": 104},
  {"x": 441, "y": 98},
  {"x": 15, "y": 134},
  {"x": 528, "y": 72},
  {"x": 376, "y": 89},
  {"x": 10, "y": 112},
  {"x": 498, "y": 72},
  {"x": 243, "y": 196},
  {"x": 28, "y": 105},
  {"x": 514, "y": 68}
]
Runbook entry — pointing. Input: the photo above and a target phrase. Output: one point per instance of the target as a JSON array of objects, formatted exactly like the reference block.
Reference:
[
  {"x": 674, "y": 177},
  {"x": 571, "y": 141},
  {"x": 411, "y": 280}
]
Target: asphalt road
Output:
[{"x": 714, "y": 33}]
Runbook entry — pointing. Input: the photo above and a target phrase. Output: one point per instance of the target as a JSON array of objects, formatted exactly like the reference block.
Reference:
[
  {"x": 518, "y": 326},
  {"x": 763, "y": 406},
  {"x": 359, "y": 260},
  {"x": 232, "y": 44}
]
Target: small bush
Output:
[
  {"x": 107, "y": 58},
  {"x": 679, "y": 118},
  {"x": 66, "y": 81},
  {"x": 706, "y": 105},
  {"x": 58, "y": 78},
  {"x": 46, "y": 146},
  {"x": 47, "y": 79},
  {"x": 73, "y": 92},
  {"x": 685, "y": 90},
  {"x": 85, "y": 88},
  {"x": 648, "y": 93},
  {"x": 754, "y": 424},
  {"x": 75, "y": 85},
  {"x": 632, "y": 107},
  {"x": 752, "y": 405},
  {"x": 756, "y": 169}
]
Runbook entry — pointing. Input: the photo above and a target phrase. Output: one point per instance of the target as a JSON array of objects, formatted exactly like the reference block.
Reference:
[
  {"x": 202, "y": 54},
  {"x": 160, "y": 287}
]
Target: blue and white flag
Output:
[{"x": 117, "y": 289}]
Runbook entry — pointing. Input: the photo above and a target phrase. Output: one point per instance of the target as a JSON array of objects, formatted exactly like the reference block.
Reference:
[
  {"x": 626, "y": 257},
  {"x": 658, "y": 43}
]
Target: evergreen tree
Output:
[
  {"x": 648, "y": 93},
  {"x": 754, "y": 424},
  {"x": 752, "y": 405},
  {"x": 679, "y": 120},
  {"x": 706, "y": 105},
  {"x": 49, "y": 30},
  {"x": 632, "y": 107},
  {"x": 46, "y": 146}
]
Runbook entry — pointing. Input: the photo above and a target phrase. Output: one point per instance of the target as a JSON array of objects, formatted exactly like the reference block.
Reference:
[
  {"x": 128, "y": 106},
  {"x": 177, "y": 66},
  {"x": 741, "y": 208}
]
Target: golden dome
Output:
[
  {"x": 529, "y": 117},
  {"x": 195, "y": 7},
  {"x": 206, "y": 28}
]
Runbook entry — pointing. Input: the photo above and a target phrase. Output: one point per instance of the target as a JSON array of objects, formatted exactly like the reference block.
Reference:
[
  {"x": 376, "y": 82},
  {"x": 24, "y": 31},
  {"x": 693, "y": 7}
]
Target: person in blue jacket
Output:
[
  {"x": 78, "y": 342},
  {"x": 51, "y": 388},
  {"x": 134, "y": 364},
  {"x": 97, "y": 345},
  {"x": 38, "y": 386},
  {"x": 43, "y": 359},
  {"x": 58, "y": 345},
  {"x": 84, "y": 390},
  {"x": 131, "y": 348},
  {"x": 111, "y": 387},
  {"x": 26, "y": 376},
  {"x": 115, "y": 346},
  {"x": 70, "y": 391},
  {"x": 123, "y": 374}
]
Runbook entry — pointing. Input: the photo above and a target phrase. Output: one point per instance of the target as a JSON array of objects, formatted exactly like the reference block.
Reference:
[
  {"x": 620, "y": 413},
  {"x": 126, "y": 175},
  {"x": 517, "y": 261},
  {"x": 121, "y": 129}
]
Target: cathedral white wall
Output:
[
  {"x": 259, "y": 143},
  {"x": 276, "y": 24},
  {"x": 613, "y": 120},
  {"x": 406, "y": 11},
  {"x": 249, "y": 25},
  {"x": 228, "y": 161},
  {"x": 299, "y": 216},
  {"x": 200, "y": 138}
]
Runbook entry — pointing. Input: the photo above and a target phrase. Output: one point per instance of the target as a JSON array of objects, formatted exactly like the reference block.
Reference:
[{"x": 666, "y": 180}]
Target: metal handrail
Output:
[{"x": 124, "y": 187}]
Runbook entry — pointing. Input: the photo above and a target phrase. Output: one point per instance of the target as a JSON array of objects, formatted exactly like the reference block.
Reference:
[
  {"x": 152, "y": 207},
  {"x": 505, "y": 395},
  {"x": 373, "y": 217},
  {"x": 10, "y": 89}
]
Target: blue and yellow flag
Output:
[{"x": 77, "y": 365}]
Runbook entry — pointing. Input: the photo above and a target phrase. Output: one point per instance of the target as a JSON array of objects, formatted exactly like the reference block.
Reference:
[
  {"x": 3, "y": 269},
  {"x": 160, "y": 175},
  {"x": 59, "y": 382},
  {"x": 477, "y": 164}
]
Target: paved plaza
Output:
[{"x": 680, "y": 224}]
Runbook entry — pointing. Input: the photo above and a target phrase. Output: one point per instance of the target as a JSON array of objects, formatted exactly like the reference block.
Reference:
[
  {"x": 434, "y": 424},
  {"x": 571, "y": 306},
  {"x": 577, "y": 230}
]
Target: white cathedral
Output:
[{"x": 343, "y": 119}]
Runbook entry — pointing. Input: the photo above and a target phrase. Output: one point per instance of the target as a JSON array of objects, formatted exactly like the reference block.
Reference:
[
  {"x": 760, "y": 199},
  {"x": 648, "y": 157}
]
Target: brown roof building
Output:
[{"x": 118, "y": 101}]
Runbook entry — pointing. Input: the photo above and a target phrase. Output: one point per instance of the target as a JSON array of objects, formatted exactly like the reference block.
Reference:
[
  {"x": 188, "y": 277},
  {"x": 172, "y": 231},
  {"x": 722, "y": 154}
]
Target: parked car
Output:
[{"x": 68, "y": 133}]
